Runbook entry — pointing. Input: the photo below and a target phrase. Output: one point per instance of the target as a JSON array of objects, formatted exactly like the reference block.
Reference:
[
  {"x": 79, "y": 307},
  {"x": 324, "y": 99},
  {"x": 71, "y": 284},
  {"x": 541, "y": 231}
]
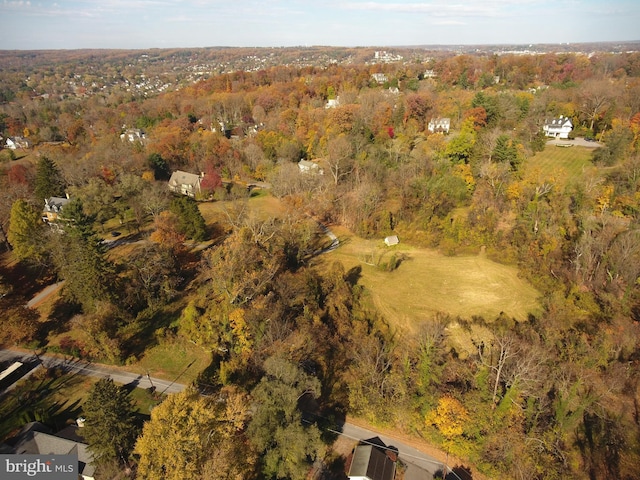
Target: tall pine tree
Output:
[
  {"x": 79, "y": 259},
  {"x": 111, "y": 426},
  {"x": 190, "y": 221},
  {"x": 49, "y": 180}
]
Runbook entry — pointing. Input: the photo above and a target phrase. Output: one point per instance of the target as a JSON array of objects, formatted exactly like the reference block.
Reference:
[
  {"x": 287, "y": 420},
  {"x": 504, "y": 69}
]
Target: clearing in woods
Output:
[{"x": 427, "y": 282}]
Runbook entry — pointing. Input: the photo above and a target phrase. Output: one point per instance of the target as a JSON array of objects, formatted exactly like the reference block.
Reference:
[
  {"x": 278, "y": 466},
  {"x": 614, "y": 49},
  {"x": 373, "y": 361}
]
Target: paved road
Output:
[
  {"x": 83, "y": 367},
  {"x": 420, "y": 466}
]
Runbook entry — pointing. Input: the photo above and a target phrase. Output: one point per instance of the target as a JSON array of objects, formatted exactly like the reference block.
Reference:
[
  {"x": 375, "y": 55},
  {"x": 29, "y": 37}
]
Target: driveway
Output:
[
  {"x": 43, "y": 294},
  {"x": 578, "y": 142}
]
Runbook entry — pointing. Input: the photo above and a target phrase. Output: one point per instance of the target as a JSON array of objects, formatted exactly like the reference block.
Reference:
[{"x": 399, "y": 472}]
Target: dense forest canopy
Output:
[{"x": 293, "y": 332}]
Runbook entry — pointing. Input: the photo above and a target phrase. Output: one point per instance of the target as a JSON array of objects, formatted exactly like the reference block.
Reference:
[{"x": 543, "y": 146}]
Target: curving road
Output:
[
  {"x": 420, "y": 466},
  {"x": 82, "y": 367}
]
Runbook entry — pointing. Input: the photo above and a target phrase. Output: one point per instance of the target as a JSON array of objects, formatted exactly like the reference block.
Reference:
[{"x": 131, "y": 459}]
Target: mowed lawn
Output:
[
  {"x": 428, "y": 282},
  {"x": 563, "y": 165}
]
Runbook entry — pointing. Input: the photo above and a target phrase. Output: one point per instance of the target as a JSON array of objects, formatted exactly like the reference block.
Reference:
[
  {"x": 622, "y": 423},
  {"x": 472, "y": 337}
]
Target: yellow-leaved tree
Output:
[
  {"x": 190, "y": 436},
  {"x": 449, "y": 417}
]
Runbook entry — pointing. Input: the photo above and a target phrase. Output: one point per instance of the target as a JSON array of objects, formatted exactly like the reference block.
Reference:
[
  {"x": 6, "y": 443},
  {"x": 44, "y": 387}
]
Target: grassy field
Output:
[
  {"x": 180, "y": 361},
  {"x": 55, "y": 400},
  {"x": 563, "y": 165},
  {"x": 428, "y": 282},
  {"x": 425, "y": 283},
  {"x": 260, "y": 204}
]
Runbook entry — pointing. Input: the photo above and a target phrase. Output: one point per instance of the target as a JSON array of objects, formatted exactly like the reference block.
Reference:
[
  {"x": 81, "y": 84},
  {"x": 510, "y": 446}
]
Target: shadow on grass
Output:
[
  {"x": 143, "y": 334},
  {"x": 58, "y": 320},
  {"x": 354, "y": 275},
  {"x": 32, "y": 400},
  {"x": 334, "y": 470}
]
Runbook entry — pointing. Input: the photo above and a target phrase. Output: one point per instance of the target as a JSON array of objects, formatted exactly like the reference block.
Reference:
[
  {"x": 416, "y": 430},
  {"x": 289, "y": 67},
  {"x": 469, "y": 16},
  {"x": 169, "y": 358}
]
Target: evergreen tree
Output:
[
  {"x": 160, "y": 167},
  {"x": 111, "y": 426},
  {"x": 49, "y": 180},
  {"x": 506, "y": 151},
  {"x": 489, "y": 104},
  {"x": 190, "y": 221},
  {"x": 79, "y": 259}
]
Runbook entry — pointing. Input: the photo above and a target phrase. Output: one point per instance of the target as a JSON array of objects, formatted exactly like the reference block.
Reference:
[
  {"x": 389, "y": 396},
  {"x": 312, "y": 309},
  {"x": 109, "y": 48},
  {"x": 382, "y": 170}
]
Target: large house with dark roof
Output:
[
  {"x": 36, "y": 439},
  {"x": 53, "y": 207},
  {"x": 371, "y": 462}
]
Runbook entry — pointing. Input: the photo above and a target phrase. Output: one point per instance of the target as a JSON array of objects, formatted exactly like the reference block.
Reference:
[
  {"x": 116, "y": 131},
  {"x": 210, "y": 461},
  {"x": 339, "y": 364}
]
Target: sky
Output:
[{"x": 141, "y": 24}]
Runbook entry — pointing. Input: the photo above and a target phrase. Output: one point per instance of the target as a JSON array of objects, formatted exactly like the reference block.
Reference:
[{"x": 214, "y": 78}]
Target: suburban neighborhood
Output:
[{"x": 327, "y": 263}]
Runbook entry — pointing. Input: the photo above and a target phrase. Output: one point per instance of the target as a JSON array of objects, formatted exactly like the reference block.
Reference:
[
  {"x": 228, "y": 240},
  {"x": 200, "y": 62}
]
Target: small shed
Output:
[{"x": 391, "y": 240}]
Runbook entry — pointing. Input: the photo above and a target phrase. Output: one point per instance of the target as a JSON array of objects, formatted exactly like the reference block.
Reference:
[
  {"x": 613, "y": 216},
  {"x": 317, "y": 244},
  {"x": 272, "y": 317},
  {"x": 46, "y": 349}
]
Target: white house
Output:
[
  {"x": 439, "y": 125},
  {"x": 379, "y": 77},
  {"x": 306, "y": 166},
  {"x": 333, "y": 103},
  {"x": 185, "y": 183},
  {"x": 558, "y": 127},
  {"x": 17, "y": 142},
  {"x": 133, "y": 135}
]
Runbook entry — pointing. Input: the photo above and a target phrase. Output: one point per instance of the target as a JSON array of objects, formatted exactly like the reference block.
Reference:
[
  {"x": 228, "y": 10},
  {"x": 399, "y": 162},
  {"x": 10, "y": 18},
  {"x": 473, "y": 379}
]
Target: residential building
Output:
[
  {"x": 379, "y": 77},
  {"x": 133, "y": 135},
  {"x": 185, "y": 183},
  {"x": 439, "y": 125},
  {"x": 37, "y": 439},
  {"x": 371, "y": 462},
  {"x": 332, "y": 103},
  {"x": 17, "y": 142},
  {"x": 307, "y": 166},
  {"x": 53, "y": 206},
  {"x": 558, "y": 127}
]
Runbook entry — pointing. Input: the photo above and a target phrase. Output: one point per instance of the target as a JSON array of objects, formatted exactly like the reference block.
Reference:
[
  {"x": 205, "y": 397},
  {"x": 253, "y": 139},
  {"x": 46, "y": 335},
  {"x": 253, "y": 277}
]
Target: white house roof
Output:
[{"x": 440, "y": 121}]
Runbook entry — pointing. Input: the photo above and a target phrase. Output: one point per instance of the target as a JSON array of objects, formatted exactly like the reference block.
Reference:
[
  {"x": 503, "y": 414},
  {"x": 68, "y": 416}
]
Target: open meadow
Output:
[{"x": 427, "y": 282}]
